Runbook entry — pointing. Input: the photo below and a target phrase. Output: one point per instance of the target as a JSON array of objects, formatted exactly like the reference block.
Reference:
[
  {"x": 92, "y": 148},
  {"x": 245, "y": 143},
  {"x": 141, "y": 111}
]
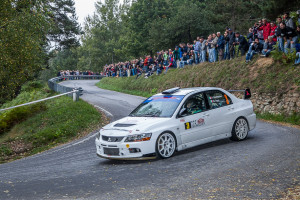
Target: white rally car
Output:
[{"x": 177, "y": 119}]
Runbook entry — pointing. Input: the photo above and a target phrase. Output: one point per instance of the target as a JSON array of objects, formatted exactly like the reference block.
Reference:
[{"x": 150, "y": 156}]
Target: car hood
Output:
[{"x": 131, "y": 125}]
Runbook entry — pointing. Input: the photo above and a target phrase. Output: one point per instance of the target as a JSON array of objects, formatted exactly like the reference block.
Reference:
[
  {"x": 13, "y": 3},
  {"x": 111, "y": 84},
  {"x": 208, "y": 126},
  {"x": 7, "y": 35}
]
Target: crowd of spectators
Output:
[
  {"x": 261, "y": 39},
  {"x": 73, "y": 74}
]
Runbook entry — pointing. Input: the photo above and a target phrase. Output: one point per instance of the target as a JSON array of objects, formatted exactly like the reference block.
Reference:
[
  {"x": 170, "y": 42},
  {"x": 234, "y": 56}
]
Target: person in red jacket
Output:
[
  {"x": 273, "y": 31},
  {"x": 266, "y": 27}
]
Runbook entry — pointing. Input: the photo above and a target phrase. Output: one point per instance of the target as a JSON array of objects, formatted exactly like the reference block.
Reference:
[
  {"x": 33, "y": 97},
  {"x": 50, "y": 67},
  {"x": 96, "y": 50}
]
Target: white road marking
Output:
[{"x": 102, "y": 109}]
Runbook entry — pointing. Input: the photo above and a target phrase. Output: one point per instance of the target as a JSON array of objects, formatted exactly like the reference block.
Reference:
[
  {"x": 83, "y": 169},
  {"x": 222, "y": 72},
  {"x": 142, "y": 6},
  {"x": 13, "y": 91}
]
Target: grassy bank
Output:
[
  {"x": 262, "y": 75},
  {"x": 31, "y": 129}
]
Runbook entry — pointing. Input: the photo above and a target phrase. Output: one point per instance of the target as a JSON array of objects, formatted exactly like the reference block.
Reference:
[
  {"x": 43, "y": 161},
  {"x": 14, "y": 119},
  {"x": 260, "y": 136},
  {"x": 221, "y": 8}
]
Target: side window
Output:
[
  {"x": 217, "y": 99},
  {"x": 194, "y": 104}
]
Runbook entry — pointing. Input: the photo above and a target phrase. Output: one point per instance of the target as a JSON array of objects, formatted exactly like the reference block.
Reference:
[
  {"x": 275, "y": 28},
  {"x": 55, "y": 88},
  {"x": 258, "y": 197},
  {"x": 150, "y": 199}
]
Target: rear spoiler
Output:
[{"x": 247, "y": 92}]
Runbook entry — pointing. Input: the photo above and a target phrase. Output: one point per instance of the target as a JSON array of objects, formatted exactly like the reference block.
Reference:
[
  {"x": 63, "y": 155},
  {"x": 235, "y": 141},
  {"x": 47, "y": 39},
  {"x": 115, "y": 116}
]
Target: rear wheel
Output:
[
  {"x": 240, "y": 129},
  {"x": 165, "y": 145}
]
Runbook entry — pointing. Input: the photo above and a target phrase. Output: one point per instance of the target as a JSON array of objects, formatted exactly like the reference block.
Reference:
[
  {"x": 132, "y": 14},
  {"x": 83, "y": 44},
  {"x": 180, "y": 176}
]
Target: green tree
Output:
[
  {"x": 23, "y": 27},
  {"x": 65, "y": 28},
  {"x": 101, "y": 36}
]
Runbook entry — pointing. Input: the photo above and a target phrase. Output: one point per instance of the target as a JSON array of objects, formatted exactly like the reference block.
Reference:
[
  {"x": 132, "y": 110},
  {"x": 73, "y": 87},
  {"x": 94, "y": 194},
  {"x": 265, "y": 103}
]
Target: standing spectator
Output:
[
  {"x": 159, "y": 57},
  {"x": 260, "y": 32},
  {"x": 273, "y": 31},
  {"x": 166, "y": 56},
  {"x": 278, "y": 35},
  {"x": 211, "y": 49},
  {"x": 250, "y": 36},
  {"x": 146, "y": 68},
  {"x": 242, "y": 42},
  {"x": 289, "y": 21},
  {"x": 176, "y": 56},
  {"x": 203, "y": 49},
  {"x": 226, "y": 46},
  {"x": 220, "y": 46},
  {"x": 266, "y": 28},
  {"x": 255, "y": 48},
  {"x": 215, "y": 42},
  {"x": 197, "y": 50},
  {"x": 268, "y": 47},
  {"x": 231, "y": 36}
]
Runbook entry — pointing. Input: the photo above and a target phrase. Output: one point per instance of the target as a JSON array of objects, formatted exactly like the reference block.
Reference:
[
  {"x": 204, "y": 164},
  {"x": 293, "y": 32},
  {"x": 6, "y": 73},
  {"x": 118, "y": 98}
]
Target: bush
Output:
[
  {"x": 283, "y": 57},
  {"x": 16, "y": 115},
  {"x": 32, "y": 85}
]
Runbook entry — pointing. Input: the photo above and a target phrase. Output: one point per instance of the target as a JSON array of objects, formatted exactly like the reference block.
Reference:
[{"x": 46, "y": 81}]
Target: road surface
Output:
[{"x": 261, "y": 167}]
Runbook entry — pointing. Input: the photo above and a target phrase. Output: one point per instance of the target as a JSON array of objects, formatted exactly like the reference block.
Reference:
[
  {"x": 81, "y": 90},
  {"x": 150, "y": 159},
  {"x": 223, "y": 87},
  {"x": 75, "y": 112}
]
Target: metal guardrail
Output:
[
  {"x": 40, "y": 100},
  {"x": 53, "y": 82},
  {"x": 53, "y": 85}
]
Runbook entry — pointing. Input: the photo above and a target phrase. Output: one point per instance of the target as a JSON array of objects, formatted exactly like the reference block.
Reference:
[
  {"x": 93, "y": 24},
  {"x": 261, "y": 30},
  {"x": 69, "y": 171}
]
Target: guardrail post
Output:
[{"x": 75, "y": 94}]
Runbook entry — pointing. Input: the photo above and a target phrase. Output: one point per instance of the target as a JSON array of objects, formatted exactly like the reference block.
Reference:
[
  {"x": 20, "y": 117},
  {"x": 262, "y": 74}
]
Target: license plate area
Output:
[{"x": 111, "y": 151}]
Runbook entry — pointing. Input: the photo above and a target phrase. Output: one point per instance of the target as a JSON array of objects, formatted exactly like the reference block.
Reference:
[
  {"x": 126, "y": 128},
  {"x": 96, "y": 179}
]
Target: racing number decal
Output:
[
  {"x": 194, "y": 123},
  {"x": 187, "y": 125}
]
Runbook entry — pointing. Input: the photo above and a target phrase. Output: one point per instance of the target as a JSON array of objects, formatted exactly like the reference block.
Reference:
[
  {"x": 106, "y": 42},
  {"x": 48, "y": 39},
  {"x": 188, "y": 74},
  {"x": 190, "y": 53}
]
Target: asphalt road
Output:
[{"x": 261, "y": 167}]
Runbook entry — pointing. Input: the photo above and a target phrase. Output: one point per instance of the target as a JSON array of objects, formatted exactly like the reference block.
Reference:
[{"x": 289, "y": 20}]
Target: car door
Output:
[
  {"x": 192, "y": 118},
  {"x": 221, "y": 112}
]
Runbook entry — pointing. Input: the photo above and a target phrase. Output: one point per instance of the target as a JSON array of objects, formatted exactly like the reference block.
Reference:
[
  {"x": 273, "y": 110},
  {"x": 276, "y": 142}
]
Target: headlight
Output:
[{"x": 138, "y": 137}]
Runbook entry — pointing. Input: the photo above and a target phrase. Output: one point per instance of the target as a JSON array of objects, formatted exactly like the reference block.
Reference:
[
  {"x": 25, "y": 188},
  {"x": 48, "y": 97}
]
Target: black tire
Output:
[
  {"x": 240, "y": 129},
  {"x": 165, "y": 145}
]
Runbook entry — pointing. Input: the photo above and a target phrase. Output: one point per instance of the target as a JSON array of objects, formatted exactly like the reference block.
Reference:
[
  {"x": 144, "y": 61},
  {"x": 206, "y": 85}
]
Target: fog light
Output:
[{"x": 134, "y": 150}]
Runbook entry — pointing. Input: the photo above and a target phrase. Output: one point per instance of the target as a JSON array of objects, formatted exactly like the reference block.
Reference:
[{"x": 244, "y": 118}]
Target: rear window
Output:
[{"x": 217, "y": 99}]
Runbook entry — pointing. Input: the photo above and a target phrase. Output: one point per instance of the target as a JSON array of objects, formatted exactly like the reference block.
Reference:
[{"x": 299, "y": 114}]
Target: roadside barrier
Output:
[
  {"x": 53, "y": 82},
  {"x": 64, "y": 90}
]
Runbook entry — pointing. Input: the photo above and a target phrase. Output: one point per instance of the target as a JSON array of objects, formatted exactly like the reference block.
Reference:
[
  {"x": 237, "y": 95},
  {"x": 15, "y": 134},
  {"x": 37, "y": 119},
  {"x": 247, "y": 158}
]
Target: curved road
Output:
[{"x": 261, "y": 167}]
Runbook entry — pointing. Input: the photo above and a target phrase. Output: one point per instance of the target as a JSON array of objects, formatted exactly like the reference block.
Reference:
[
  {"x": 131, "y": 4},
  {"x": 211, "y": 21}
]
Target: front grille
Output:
[
  {"x": 111, "y": 151},
  {"x": 123, "y": 125},
  {"x": 112, "y": 138}
]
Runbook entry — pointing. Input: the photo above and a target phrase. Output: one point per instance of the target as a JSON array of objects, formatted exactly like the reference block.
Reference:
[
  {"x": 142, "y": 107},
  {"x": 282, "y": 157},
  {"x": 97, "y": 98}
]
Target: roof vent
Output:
[{"x": 171, "y": 91}]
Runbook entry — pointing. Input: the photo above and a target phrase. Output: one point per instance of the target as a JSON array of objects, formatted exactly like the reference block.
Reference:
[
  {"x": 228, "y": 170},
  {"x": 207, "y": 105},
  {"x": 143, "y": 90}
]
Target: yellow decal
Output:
[{"x": 187, "y": 125}]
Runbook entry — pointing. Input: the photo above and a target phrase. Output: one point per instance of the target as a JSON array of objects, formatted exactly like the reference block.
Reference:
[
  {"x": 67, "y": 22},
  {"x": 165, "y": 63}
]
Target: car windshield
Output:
[{"x": 158, "y": 106}]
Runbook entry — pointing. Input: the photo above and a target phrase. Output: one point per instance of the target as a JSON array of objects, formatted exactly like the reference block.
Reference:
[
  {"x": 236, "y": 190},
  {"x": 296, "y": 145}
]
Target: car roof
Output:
[{"x": 185, "y": 91}]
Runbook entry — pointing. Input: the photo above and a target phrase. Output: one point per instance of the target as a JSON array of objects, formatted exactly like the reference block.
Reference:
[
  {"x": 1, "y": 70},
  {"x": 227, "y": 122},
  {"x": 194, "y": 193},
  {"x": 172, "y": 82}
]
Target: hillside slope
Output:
[{"x": 271, "y": 81}]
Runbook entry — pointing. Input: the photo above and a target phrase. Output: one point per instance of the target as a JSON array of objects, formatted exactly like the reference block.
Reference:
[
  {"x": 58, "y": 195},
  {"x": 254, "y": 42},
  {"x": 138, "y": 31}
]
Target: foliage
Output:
[
  {"x": 119, "y": 32},
  {"x": 49, "y": 126},
  {"x": 292, "y": 119},
  {"x": 23, "y": 26},
  {"x": 31, "y": 91},
  {"x": 282, "y": 57},
  {"x": 17, "y": 115},
  {"x": 65, "y": 27},
  {"x": 62, "y": 60}
]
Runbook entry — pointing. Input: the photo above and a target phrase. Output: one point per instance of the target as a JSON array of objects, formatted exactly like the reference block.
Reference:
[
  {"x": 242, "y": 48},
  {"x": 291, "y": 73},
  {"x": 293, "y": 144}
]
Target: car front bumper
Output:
[{"x": 125, "y": 151}]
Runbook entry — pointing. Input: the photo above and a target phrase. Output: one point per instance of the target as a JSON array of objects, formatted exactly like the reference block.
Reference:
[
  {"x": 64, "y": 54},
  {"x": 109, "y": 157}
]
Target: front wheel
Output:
[
  {"x": 165, "y": 145},
  {"x": 240, "y": 129}
]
